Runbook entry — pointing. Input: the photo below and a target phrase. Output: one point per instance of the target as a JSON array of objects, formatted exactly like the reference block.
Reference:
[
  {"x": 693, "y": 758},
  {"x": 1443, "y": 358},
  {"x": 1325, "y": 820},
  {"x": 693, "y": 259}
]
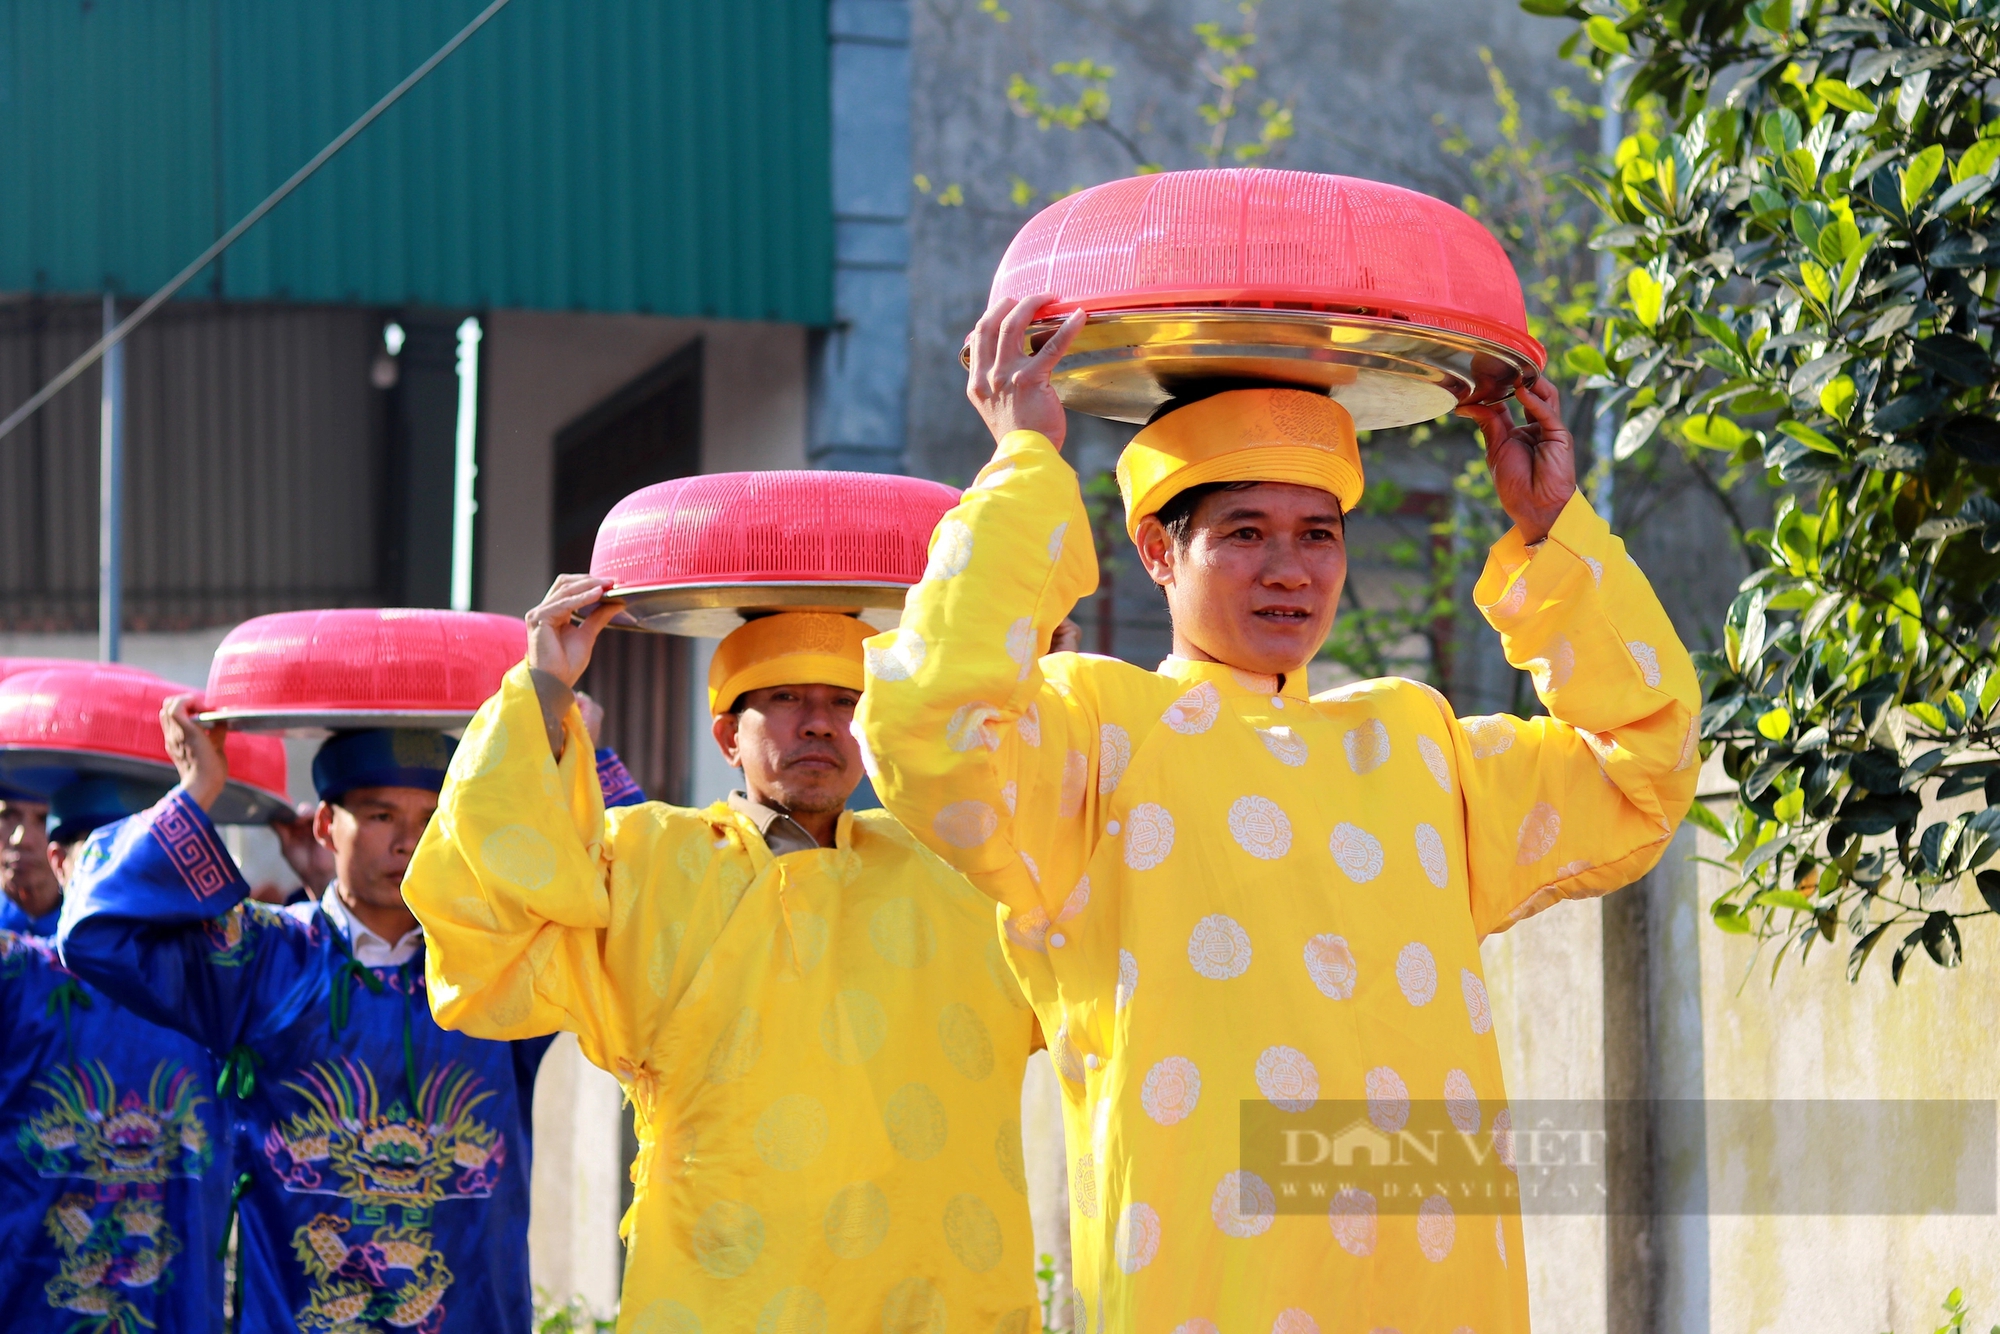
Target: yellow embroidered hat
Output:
[
  {"x": 1244, "y": 435},
  {"x": 800, "y": 648}
]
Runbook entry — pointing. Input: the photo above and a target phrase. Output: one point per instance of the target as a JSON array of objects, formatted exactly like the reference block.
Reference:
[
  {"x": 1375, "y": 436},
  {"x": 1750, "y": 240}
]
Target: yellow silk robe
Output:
[
  {"x": 1216, "y": 889},
  {"x": 823, "y": 1050}
]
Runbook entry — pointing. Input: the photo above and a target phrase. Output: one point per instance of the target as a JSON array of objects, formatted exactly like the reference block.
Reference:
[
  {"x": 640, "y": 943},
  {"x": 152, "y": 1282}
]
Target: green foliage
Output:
[
  {"x": 1956, "y": 1314},
  {"x": 1082, "y": 102},
  {"x": 573, "y": 1316},
  {"x": 1806, "y": 222}
]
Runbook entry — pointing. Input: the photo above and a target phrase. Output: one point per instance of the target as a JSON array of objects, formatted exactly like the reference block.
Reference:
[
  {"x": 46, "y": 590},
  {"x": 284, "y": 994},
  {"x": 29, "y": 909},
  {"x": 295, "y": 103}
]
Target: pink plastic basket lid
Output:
[
  {"x": 786, "y": 527},
  {"x": 1262, "y": 238},
  {"x": 92, "y": 719},
  {"x": 362, "y": 667}
]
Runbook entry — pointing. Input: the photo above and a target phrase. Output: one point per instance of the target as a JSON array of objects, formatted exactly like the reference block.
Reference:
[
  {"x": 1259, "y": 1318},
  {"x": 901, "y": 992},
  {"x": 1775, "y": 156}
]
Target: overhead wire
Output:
[{"x": 249, "y": 220}]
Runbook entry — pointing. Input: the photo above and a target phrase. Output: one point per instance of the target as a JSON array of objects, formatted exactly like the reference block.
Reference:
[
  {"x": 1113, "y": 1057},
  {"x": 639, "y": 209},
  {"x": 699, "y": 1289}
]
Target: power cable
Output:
[{"x": 250, "y": 219}]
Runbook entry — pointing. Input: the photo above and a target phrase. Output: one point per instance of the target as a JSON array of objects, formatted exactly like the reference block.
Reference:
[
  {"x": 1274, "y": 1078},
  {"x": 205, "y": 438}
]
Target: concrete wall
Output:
[{"x": 541, "y": 370}]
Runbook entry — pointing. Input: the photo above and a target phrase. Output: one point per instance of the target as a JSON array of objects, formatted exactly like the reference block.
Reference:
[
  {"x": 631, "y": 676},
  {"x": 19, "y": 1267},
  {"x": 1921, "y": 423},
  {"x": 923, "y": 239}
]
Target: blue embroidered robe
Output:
[
  {"x": 389, "y": 1158},
  {"x": 14, "y": 918},
  {"x": 114, "y": 1161}
]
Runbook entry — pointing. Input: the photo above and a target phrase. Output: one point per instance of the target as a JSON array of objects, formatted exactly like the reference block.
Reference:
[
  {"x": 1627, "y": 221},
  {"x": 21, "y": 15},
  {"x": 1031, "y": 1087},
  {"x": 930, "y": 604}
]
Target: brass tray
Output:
[
  {"x": 710, "y": 611},
  {"x": 312, "y": 723},
  {"x": 1126, "y": 364}
]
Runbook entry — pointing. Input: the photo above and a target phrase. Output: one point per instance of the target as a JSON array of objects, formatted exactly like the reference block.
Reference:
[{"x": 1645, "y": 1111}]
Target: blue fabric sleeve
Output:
[
  {"x": 155, "y": 918},
  {"x": 620, "y": 788}
]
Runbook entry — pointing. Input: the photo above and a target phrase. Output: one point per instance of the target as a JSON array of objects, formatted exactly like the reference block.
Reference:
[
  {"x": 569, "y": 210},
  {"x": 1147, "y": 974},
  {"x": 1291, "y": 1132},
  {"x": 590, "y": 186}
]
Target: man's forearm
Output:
[{"x": 556, "y": 700}]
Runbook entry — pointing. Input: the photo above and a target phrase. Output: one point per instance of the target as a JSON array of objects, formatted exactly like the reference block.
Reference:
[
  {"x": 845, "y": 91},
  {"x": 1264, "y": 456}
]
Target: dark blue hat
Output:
[
  {"x": 81, "y": 807},
  {"x": 382, "y": 757}
]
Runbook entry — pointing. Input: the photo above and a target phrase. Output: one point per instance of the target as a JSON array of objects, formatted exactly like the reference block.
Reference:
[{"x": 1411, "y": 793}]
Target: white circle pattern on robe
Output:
[
  {"x": 1489, "y": 736},
  {"x": 1388, "y": 1099},
  {"x": 1515, "y": 598},
  {"x": 1503, "y": 1139},
  {"x": 1289, "y": 747},
  {"x": 1431, "y": 855},
  {"x": 1021, "y": 643},
  {"x": 1554, "y": 671},
  {"x": 1075, "y": 784},
  {"x": 1196, "y": 711},
  {"x": 1356, "y": 852},
  {"x": 1219, "y": 948},
  {"x": 1416, "y": 973},
  {"x": 1539, "y": 830},
  {"x": 951, "y": 550},
  {"x": 1260, "y": 827},
  {"x": 1433, "y": 757},
  {"x": 1083, "y": 1186},
  {"x": 1568, "y": 869},
  {"x": 1437, "y": 1228},
  {"x": 973, "y": 725},
  {"x": 1056, "y": 535},
  {"x": 1128, "y": 980},
  {"x": 1330, "y": 964},
  {"x": 1137, "y": 1240},
  {"x": 1477, "y": 1009},
  {"x": 1068, "y": 1063},
  {"x": 1029, "y": 727},
  {"x": 1292, "y": 1320},
  {"x": 1034, "y": 871},
  {"x": 1254, "y": 682},
  {"x": 1078, "y": 900},
  {"x": 1461, "y": 1101},
  {"x": 1149, "y": 836},
  {"x": 966, "y": 824},
  {"x": 1029, "y": 928},
  {"x": 1596, "y": 569},
  {"x": 1195, "y": 1326},
  {"x": 1010, "y": 795},
  {"x": 1170, "y": 1090},
  {"x": 1367, "y": 746},
  {"x": 1114, "y": 752},
  {"x": 1688, "y": 744},
  {"x": 1243, "y": 1205},
  {"x": 1285, "y": 1076},
  {"x": 898, "y": 661},
  {"x": 1500, "y": 1240},
  {"x": 1648, "y": 660},
  {"x": 1351, "y": 1215},
  {"x": 993, "y": 475}
]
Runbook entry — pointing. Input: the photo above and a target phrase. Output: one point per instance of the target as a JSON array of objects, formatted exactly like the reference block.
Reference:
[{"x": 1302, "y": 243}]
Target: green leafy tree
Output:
[{"x": 1806, "y": 229}]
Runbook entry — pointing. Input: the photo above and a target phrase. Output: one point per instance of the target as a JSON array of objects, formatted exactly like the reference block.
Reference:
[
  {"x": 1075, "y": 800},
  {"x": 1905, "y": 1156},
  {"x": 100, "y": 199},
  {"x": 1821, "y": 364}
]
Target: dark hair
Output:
[{"x": 1177, "y": 515}]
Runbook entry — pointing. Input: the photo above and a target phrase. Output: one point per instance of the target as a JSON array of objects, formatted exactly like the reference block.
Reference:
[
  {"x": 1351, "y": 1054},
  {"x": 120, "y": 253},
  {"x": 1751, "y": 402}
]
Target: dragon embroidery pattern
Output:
[
  {"x": 347, "y": 1144},
  {"x": 115, "y": 1239}
]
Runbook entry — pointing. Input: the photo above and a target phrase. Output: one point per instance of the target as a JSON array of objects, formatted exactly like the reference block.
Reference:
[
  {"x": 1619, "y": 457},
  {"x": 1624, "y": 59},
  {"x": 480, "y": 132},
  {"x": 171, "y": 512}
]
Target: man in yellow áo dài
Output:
[
  {"x": 1219, "y": 891},
  {"x": 808, "y": 1010}
]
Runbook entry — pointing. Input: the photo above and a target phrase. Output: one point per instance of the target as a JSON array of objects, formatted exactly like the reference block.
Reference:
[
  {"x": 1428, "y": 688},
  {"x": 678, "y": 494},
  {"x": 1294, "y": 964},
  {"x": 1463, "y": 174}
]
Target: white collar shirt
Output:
[{"x": 370, "y": 950}]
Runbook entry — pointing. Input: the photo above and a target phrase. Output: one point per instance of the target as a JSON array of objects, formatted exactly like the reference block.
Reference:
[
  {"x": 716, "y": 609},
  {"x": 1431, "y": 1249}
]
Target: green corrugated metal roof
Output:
[{"x": 666, "y": 156}]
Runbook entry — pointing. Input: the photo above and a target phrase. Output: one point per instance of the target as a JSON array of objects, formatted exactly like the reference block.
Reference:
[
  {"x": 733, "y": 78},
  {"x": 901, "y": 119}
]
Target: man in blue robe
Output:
[
  {"x": 114, "y": 1152},
  {"x": 30, "y": 898},
  {"x": 389, "y": 1159}
]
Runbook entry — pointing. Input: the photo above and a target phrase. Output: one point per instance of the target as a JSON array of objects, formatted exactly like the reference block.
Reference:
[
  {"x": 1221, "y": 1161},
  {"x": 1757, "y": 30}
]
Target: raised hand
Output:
[
  {"x": 1007, "y": 384},
  {"x": 1533, "y": 464},
  {"x": 557, "y": 643},
  {"x": 195, "y": 750}
]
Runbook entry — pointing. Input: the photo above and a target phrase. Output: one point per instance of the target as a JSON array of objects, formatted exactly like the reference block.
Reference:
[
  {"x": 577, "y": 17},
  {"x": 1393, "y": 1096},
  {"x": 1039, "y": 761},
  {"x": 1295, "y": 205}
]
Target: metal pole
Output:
[
  {"x": 465, "y": 466},
  {"x": 111, "y": 492},
  {"x": 1604, "y": 433}
]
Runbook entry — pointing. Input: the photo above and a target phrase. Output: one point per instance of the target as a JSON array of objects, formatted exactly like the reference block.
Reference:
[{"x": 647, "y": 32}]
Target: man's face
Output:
[
  {"x": 794, "y": 746},
  {"x": 373, "y": 832},
  {"x": 24, "y": 854},
  {"x": 1258, "y": 580}
]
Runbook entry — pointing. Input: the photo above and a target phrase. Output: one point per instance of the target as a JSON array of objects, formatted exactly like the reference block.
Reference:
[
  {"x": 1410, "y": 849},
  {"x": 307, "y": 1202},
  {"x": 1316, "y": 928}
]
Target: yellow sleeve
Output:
[
  {"x": 514, "y": 883},
  {"x": 969, "y": 743},
  {"x": 1581, "y": 802}
]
